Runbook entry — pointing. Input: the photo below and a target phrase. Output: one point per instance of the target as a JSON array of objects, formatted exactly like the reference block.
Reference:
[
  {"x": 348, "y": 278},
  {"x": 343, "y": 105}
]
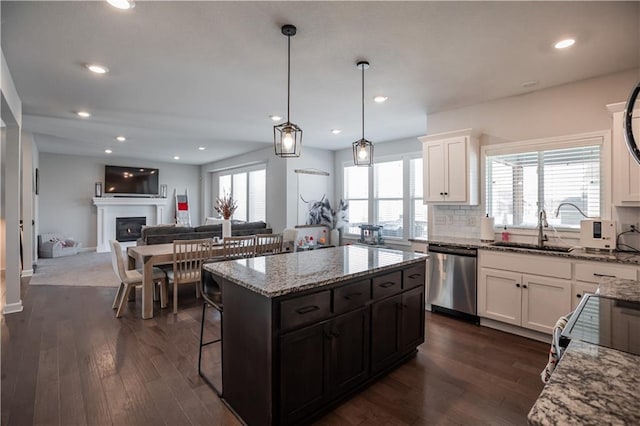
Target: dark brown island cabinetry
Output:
[{"x": 288, "y": 359}]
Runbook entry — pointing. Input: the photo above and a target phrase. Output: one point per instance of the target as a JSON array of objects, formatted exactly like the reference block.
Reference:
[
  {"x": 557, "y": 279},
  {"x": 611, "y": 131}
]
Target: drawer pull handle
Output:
[
  {"x": 578, "y": 295},
  {"x": 307, "y": 309},
  {"x": 352, "y": 295},
  {"x": 414, "y": 276},
  {"x": 387, "y": 284},
  {"x": 604, "y": 275}
]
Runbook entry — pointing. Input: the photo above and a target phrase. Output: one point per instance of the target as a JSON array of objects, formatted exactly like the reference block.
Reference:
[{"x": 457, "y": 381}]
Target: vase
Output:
[
  {"x": 226, "y": 228},
  {"x": 335, "y": 237}
]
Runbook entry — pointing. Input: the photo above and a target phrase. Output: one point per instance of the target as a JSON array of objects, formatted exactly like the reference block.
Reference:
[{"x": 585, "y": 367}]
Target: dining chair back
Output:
[
  {"x": 239, "y": 247},
  {"x": 268, "y": 244},
  {"x": 187, "y": 263},
  {"x": 129, "y": 279}
]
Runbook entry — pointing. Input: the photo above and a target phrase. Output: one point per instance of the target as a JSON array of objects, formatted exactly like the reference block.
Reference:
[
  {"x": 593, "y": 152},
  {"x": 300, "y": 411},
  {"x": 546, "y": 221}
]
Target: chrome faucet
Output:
[{"x": 542, "y": 223}]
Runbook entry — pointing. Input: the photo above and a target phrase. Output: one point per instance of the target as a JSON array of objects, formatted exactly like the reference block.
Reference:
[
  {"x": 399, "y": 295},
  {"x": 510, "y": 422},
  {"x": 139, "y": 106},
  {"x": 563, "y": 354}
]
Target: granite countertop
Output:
[
  {"x": 277, "y": 275},
  {"x": 592, "y": 385},
  {"x": 581, "y": 254}
]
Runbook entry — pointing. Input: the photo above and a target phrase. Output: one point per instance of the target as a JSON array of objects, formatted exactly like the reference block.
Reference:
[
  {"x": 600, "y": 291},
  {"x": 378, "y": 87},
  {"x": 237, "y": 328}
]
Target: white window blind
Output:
[
  {"x": 248, "y": 188},
  {"x": 418, "y": 209},
  {"x": 356, "y": 192},
  {"x": 516, "y": 184},
  {"x": 388, "y": 198}
]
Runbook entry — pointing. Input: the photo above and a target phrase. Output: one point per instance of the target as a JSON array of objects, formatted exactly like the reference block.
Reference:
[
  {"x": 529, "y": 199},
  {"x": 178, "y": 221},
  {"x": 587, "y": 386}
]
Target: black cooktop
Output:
[{"x": 606, "y": 322}]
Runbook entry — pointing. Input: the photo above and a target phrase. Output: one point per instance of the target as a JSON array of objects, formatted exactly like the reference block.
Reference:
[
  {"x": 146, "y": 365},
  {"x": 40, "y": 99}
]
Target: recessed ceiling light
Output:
[
  {"x": 530, "y": 83},
  {"x": 336, "y": 131},
  {"x": 108, "y": 151},
  {"x": 175, "y": 157},
  {"x": 202, "y": 148},
  {"x": 121, "y": 138},
  {"x": 563, "y": 44},
  {"x": 380, "y": 98},
  {"x": 122, "y": 4},
  {"x": 275, "y": 117},
  {"x": 84, "y": 114},
  {"x": 96, "y": 68}
]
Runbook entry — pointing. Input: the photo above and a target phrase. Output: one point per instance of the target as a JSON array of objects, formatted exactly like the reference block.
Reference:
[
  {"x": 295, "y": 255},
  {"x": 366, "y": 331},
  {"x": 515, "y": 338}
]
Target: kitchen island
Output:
[{"x": 304, "y": 331}]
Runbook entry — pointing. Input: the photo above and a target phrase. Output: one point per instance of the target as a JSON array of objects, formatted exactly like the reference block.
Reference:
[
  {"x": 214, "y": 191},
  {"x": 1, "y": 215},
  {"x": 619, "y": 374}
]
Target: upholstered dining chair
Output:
[
  {"x": 239, "y": 247},
  {"x": 268, "y": 244},
  {"x": 131, "y": 278},
  {"x": 187, "y": 264}
]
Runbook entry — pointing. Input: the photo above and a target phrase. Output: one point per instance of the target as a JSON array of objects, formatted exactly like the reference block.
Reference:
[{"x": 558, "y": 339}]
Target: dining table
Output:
[{"x": 154, "y": 255}]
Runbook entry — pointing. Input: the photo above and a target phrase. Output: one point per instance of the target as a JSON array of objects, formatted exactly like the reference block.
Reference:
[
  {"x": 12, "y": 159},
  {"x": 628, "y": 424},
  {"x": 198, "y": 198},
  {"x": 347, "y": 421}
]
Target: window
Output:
[
  {"x": 388, "y": 194},
  {"x": 248, "y": 188},
  {"x": 517, "y": 183}
]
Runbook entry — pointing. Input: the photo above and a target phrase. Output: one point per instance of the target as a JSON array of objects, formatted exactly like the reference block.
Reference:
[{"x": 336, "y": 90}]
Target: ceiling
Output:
[{"x": 185, "y": 75}]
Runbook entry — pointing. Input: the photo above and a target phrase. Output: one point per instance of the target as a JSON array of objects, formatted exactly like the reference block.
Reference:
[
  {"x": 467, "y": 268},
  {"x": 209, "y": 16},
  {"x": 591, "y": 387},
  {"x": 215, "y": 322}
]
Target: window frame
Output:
[
  {"x": 601, "y": 138},
  {"x": 407, "y": 199},
  {"x": 238, "y": 170}
]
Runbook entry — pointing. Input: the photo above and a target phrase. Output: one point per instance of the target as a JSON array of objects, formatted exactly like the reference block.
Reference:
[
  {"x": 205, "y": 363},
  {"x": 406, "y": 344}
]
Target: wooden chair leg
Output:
[
  {"x": 163, "y": 293},
  {"x": 175, "y": 297},
  {"x": 116, "y": 300},
  {"x": 124, "y": 300},
  {"x": 198, "y": 290},
  {"x": 156, "y": 292}
]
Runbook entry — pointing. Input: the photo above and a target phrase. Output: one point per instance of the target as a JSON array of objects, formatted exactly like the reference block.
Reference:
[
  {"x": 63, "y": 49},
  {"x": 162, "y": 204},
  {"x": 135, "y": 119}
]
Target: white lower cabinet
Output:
[
  {"x": 579, "y": 289},
  {"x": 525, "y": 300}
]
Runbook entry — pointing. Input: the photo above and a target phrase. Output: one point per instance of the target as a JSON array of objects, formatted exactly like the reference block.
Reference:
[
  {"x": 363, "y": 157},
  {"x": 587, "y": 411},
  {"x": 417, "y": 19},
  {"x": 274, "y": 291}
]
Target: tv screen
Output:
[{"x": 130, "y": 180}]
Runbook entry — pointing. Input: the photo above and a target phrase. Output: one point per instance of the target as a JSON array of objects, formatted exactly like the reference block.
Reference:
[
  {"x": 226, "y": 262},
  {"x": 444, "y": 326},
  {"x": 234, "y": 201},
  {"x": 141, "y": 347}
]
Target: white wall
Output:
[
  {"x": 67, "y": 185},
  {"x": 28, "y": 203}
]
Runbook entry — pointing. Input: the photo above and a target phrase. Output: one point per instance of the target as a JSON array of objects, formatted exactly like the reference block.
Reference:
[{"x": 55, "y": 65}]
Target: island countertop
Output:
[{"x": 277, "y": 275}]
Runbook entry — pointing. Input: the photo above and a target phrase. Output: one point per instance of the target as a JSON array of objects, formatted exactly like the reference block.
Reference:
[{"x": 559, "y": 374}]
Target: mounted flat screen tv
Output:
[{"x": 133, "y": 181}]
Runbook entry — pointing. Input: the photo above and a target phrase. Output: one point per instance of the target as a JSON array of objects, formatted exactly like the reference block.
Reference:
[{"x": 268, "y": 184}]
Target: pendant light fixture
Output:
[
  {"x": 287, "y": 137},
  {"x": 363, "y": 149}
]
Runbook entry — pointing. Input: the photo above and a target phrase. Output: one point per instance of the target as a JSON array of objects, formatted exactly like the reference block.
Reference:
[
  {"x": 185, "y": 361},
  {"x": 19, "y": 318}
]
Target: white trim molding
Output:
[{"x": 12, "y": 308}]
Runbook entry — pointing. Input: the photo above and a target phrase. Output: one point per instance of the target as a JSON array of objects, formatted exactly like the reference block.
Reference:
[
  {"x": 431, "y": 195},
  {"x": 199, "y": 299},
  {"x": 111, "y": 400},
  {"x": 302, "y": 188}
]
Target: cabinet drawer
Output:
[
  {"x": 302, "y": 310},
  {"x": 351, "y": 296},
  {"x": 414, "y": 276},
  {"x": 387, "y": 285},
  {"x": 596, "y": 272}
]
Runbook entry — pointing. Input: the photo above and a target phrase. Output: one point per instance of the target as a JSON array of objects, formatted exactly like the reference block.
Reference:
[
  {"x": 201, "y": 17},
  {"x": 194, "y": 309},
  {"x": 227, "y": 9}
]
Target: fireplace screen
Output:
[{"x": 129, "y": 228}]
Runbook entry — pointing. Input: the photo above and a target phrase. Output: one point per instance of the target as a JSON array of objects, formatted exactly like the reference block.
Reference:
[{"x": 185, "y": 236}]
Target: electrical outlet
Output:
[
  {"x": 629, "y": 226},
  {"x": 440, "y": 220},
  {"x": 472, "y": 221},
  {"x": 449, "y": 220}
]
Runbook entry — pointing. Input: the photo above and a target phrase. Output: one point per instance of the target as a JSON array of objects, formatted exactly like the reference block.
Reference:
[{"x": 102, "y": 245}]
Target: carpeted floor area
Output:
[{"x": 83, "y": 269}]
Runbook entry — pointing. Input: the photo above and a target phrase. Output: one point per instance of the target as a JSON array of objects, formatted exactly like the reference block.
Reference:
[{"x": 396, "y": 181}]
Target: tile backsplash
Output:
[{"x": 456, "y": 221}]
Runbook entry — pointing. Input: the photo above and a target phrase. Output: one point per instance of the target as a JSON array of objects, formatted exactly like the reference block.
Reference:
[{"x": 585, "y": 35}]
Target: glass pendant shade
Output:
[
  {"x": 287, "y": 137},
  {"x": 363, "y": 153},
  {"x": 363, "y": 149}
]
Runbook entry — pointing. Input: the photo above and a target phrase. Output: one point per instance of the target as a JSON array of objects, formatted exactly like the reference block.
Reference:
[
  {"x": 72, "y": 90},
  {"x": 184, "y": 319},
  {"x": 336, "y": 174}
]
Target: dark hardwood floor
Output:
[{"x": 66, "y": 360}]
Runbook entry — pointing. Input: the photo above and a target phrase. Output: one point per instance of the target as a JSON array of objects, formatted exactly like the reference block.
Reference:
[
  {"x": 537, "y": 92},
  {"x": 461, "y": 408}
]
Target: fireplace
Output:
[{"x": 129, "y": 228}]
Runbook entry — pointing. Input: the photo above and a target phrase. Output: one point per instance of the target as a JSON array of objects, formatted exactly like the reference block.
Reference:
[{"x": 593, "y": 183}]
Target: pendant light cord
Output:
[
  {"x": 362, "y": 101},
  {"x": 288, "y": 75}
]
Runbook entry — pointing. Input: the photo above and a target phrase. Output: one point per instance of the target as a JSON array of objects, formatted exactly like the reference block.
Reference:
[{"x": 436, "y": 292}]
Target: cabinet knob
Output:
[
  {"x": 578, "y": 295},
  {"x": 524, "y": 286},
  {"x": 446, "y": 193},
  {"x": 518, "y": 285},
  {"x": 442, "y": 193}
]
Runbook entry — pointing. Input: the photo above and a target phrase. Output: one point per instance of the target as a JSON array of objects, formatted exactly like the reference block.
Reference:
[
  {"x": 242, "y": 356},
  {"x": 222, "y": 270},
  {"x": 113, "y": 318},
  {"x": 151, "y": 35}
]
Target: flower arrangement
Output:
[{"x": 225, "y": 206}]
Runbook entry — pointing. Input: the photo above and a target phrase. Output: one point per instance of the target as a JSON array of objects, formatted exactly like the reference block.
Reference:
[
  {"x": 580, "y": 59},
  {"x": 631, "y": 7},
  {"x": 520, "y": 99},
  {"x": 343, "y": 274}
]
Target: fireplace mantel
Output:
[{"x": 111, "y": 207}]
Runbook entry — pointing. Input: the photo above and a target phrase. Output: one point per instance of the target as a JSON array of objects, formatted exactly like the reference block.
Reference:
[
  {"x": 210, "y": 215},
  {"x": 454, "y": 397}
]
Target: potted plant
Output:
[{"x": 225, "y": 207}]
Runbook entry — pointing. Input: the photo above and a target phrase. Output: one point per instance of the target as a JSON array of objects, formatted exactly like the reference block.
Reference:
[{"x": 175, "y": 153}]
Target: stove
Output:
[{"x": 606, "y": 322}]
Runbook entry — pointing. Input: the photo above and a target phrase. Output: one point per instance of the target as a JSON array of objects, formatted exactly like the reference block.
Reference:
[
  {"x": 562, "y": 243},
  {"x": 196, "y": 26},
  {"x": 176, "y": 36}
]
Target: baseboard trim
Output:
[
  {"x": 512, "y": 329},
  {"x": 27, "y": 273},
  {"x": 12, "y": 308}
]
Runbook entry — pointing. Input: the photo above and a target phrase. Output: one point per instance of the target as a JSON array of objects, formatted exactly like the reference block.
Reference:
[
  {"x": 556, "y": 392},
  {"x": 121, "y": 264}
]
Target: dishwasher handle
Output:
[{"x": 455, "y": 250}]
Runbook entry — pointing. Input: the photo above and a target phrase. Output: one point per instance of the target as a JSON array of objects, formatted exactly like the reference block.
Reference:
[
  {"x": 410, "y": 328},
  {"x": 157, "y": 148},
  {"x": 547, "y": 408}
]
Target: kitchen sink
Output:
[{"x": 532, "y": 246}]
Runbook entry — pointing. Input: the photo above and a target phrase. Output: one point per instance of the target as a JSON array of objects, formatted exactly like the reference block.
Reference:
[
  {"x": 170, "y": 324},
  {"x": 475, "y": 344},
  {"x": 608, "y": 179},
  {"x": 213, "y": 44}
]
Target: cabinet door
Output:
[
  {"x": 544, "y": 300},
  {"x": 455, "y": 188},
  {"x": 412, "y": 319},
  {"x": 624, "y": 328},
  {"x": 579, "y": 289},
  {"x": 434, "y": 169},
  {"x": 385, "y": 327},
  {"x": 349, "y": 361},
  {"x": 499, "y": 295},
  {"x": 303, "y": 363}
]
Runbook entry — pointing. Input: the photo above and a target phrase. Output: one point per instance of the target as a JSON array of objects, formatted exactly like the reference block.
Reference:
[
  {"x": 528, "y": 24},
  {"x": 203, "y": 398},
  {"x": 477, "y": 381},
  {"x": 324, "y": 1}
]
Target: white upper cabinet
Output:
[
  {"x": 451, "y": 162},
  {"x": 626, "y": 172}
]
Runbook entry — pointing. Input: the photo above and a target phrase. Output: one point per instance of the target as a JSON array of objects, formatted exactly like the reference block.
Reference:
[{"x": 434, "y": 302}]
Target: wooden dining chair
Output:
[
  {"x": 239, "y": 247},
  {"x": 129, "y": 279},
  {"x": 268, "y": 244},
  {"x": 187, "y": 264}
]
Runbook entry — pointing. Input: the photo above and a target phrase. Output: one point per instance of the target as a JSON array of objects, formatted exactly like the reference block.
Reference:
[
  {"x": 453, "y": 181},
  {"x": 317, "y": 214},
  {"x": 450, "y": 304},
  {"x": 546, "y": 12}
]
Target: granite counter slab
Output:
[
  {"x": 592, "y": 385},
  {"x": 576, "y": 254},
  {"x": 621, "y": 289},
  {"x": 274, "y": 276}
]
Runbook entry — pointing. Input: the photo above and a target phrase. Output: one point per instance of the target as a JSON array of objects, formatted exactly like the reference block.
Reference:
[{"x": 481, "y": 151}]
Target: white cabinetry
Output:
[
  {"x": 523, "y": 290},
  {"x": 626, "y": 172},
  {"x": 451, "y": 162},
  {"x": 589, "y": 274}
]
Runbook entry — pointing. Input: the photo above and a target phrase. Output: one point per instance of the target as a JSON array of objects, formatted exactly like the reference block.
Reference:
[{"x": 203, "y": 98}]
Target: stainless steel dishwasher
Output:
[{"x": 452, "y": 280}]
